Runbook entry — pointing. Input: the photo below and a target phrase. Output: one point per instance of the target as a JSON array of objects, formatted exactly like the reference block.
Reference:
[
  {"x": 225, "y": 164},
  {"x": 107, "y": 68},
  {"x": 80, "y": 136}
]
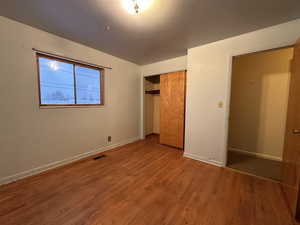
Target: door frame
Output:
[
  {"x": 228, "y": 102},
  {"x": 142, "y": 116}
]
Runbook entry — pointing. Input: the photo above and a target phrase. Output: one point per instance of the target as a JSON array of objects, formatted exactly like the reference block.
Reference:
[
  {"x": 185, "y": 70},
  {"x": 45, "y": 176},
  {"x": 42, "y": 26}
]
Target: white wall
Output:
[
  {"x": 31, "y": 137},
  {"x": 165, "y": 66},
  {"x": 208, "y": 83}
]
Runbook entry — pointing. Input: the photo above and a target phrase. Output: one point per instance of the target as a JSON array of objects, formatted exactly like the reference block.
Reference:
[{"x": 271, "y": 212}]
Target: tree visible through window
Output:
[{"x": 66, "y": 83}]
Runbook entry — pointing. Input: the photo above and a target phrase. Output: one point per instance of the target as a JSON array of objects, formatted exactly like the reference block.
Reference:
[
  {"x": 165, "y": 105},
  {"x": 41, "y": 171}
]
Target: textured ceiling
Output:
[{"x": 165, "y": 30}]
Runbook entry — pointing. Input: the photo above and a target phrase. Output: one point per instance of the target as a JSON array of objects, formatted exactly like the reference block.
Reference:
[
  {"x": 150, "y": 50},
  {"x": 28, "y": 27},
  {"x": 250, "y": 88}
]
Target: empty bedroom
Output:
[{"x": 149, "y": 112}]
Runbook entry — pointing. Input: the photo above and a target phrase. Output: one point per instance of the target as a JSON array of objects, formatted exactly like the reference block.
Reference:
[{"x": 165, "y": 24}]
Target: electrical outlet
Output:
[{"x": 109, "y": 138}]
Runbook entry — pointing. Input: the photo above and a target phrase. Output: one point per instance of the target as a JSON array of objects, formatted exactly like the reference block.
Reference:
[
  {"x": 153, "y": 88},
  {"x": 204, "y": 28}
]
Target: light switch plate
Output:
[{"x": 220, "y": 105}]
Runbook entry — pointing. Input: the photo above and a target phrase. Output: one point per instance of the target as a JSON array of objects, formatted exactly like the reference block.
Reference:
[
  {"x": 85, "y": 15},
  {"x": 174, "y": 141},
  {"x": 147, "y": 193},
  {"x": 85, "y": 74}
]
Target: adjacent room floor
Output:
[
  {"x": 257, "y": 166},
  {"x": 143, "y": 183}
]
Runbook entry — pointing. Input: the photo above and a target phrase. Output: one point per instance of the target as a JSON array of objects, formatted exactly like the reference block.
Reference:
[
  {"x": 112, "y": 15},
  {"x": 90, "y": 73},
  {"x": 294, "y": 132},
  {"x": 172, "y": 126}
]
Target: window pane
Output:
[
  {"x": 56, "y": 82},
  {"x": 87, "y": 85}
]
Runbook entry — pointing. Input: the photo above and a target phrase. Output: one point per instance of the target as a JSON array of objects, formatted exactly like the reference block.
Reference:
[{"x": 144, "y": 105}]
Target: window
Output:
[{"x": 65, "y": 83}]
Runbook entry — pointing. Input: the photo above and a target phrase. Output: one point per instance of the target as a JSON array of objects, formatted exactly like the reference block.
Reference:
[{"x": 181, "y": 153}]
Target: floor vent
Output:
[{"x": 99, "y": 157}]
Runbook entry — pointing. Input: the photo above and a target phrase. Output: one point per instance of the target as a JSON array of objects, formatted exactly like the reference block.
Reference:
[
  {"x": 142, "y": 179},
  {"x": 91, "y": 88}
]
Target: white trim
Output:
[
  {"x": 202, "y": 159},
  {"x": 227, "y": 109},
  {"x": 52, "y": 165},
  {"x": 142, "y": 115},
  {"x": 255, "y": 154}
]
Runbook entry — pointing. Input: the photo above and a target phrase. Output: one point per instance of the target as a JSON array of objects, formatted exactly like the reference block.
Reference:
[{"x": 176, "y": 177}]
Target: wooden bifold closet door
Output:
[{"x": 172, "y": 109}]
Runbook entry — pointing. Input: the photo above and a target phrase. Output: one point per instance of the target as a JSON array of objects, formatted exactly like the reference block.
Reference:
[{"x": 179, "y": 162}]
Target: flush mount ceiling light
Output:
[{"x": 136, "y": 6}]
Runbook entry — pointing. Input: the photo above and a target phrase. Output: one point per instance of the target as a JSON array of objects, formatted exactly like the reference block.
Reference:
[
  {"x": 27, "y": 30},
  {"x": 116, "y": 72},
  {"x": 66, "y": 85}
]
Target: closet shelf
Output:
[{"x": 153, "y": 92}]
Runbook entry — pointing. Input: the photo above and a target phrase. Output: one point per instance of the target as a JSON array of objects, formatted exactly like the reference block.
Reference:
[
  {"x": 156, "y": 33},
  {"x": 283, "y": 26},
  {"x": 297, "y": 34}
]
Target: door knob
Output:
[{"x": 296, "y": 131}]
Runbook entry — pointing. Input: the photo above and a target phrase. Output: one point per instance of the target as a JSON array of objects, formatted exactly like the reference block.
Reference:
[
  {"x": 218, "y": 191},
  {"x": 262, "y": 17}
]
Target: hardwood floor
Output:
[{"x": 143, "y": 183}]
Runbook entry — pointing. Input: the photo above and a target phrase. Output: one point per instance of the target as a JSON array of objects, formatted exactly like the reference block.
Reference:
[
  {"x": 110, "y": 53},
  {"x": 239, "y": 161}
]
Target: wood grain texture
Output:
[
  {"x": 172, "y": 109},
  {"x": 143, "y": 183},
  {"x": 291, "y": 154}
]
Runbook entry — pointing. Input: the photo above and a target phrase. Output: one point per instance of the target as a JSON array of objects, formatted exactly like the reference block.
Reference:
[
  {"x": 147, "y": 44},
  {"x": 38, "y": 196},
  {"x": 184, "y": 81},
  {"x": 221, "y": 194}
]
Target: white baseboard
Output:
[
  {"x": 258, "y": 155},
  {"x": 202, "y": 159},
  {"x": 40, "y": 169}
]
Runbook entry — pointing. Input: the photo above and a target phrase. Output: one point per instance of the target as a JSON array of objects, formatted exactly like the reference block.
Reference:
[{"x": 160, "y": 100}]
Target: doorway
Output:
[{"x": 258, "y": 111}]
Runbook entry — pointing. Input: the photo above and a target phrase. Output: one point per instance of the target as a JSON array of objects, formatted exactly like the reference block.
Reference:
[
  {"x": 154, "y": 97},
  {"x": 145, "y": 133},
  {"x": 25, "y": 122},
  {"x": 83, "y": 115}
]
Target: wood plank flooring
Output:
[{"x": 143, "y": 183}]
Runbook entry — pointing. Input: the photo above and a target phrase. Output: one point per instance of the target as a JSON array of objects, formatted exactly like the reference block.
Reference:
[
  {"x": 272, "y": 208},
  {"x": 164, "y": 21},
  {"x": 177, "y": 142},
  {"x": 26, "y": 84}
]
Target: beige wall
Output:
[
  {"x": 156, "y": 114},
  {"x": 152, "y": 106},
  {"x": 259, "y": 96},
  {"x": 31, "y": 137},
  {"x": 149, "y": 107},
  {"x": 208, "y": 84}
]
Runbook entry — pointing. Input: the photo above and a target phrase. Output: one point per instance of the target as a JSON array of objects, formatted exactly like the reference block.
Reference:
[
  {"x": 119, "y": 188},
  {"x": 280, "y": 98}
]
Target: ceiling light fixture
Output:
[{"x": 136, "y": 6}]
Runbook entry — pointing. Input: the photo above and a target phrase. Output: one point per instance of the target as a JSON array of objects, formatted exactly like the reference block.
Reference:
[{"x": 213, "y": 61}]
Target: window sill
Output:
[{"x": 69, "y": 106}]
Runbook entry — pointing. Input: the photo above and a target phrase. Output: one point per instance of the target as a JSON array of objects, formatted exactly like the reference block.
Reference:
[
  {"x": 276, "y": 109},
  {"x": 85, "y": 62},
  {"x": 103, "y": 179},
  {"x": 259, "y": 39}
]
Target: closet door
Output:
[{"x": 172, "y": 109}]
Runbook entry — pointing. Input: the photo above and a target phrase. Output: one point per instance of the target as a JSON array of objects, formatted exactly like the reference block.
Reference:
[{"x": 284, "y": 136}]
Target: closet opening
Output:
[
  {"x": 164, "y": 108},
  {"x": 152, "y": 105}
]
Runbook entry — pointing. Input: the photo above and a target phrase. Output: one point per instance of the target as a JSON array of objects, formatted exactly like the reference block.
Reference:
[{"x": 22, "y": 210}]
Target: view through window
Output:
[{"x": 63, "y": 82}]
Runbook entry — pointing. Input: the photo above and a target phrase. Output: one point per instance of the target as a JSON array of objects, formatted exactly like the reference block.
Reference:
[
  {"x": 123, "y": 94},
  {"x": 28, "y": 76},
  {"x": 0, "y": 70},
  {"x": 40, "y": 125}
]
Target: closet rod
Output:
[{"x": 70, "y": 59}]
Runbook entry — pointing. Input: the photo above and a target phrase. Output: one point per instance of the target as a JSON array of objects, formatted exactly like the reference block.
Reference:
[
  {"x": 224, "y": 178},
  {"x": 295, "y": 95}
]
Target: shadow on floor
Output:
[{"x": 254, "y": 165}]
